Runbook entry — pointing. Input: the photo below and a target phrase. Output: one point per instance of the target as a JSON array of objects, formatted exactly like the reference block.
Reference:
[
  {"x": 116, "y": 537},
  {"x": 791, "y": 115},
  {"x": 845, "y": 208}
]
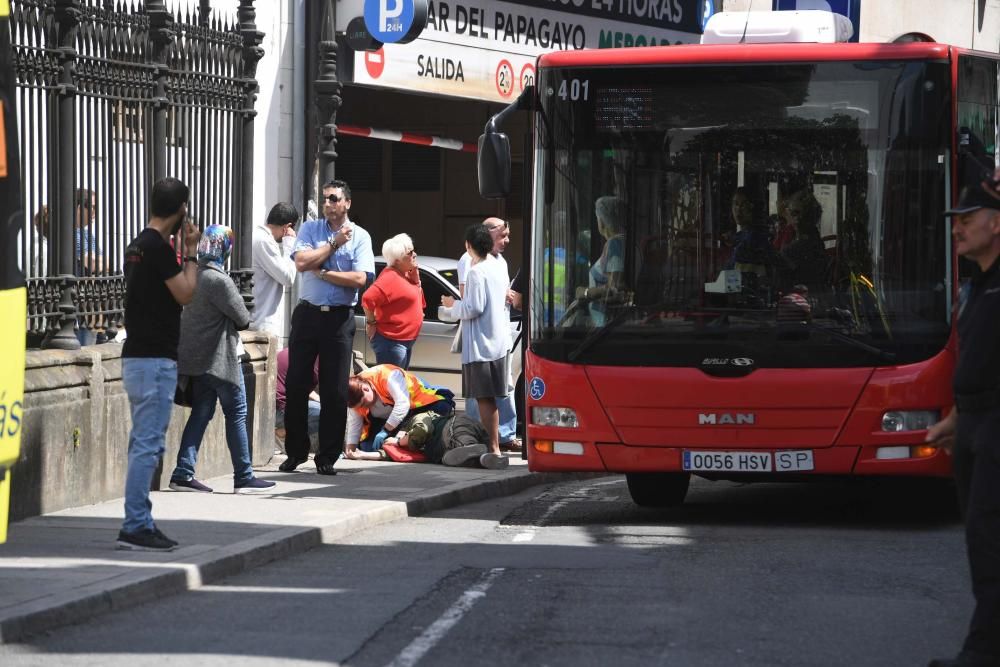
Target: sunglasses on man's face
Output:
[{"x": 333, "y": 199}]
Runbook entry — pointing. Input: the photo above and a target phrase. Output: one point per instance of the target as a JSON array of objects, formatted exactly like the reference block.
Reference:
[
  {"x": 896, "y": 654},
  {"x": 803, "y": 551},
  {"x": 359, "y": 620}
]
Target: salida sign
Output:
[{"x": 486, "y": 49}]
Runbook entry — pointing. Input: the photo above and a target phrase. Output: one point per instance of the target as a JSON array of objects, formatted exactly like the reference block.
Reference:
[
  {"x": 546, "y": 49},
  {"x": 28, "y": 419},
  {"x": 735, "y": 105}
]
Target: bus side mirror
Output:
[{"x": 494, "y": 164}]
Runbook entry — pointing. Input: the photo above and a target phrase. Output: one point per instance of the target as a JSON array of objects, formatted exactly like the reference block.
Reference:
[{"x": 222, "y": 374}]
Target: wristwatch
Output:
[
  {"x": 190, "y": 258},
  {"x": 322, "y": 273}
]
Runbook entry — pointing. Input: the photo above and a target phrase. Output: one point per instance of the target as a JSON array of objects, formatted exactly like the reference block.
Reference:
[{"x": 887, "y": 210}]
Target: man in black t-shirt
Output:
[
  {"x": 155, "y": 290},
  {"x": 972, "y": 429}
]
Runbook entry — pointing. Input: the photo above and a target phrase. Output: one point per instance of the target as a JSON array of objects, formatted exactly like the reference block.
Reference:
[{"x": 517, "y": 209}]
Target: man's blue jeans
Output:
[
  {"x": 507, "y": 413},
  {"x": 205, "y": 391},
  {"x": 389, "y": 351},
  {"x": 150, "y": 385}
]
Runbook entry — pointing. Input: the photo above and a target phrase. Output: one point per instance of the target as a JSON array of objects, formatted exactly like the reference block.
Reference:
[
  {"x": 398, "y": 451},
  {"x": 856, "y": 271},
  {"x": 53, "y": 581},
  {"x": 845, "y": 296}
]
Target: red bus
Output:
[{"x": 739, "y": 267}]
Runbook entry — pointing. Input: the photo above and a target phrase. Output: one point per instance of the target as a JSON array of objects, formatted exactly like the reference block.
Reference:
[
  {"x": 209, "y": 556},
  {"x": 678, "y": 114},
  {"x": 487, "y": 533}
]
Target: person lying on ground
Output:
[{"x": 452, "y": 439}]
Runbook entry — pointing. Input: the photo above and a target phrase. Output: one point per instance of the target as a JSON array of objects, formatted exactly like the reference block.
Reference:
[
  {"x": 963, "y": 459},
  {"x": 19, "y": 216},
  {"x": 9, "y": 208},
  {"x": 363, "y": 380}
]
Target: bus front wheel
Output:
[{"x": 658, "y": 489}]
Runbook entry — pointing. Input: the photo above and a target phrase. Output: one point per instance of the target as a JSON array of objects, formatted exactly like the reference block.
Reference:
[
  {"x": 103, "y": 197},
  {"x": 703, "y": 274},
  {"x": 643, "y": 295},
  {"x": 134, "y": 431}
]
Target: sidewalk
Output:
[{"x": 63, "y": 567}]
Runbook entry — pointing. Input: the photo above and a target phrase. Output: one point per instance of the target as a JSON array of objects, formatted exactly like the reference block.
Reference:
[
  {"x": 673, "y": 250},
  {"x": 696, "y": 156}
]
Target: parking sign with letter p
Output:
[{"x": 395, "y": 21}]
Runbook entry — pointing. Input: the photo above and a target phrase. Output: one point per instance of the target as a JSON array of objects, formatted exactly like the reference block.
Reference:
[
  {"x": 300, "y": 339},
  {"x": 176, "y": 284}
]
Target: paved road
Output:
[{"x": 822, "y": 574}]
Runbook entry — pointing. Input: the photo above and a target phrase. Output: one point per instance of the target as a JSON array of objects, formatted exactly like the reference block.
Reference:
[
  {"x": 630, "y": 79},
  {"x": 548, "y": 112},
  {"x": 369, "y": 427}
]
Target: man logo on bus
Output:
[{"x": 723, "y": 418}]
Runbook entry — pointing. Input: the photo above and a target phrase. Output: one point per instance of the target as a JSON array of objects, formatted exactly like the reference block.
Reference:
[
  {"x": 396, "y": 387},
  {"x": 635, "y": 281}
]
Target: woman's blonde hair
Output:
[{"x": 396, "y": 248}]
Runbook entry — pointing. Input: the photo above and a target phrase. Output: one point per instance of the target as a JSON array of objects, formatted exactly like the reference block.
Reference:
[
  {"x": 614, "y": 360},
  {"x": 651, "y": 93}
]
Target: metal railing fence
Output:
[{"x": 113, "y": 95}]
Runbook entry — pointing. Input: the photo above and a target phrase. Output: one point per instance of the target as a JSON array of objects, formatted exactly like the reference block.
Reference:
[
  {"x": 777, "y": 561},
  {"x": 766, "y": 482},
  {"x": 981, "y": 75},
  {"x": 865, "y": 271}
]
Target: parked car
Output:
[{"x": 432, "y": 358}]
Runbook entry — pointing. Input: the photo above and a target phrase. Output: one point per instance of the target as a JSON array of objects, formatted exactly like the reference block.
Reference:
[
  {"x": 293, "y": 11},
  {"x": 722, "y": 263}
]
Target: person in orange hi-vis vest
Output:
[{"x": 380, "y": 399}]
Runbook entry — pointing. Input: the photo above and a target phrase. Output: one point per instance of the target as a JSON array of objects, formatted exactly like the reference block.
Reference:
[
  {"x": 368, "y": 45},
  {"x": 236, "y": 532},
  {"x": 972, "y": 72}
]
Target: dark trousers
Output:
[
  {"x": 330, "y": 336},
  {"x": 977, "y": 476}
]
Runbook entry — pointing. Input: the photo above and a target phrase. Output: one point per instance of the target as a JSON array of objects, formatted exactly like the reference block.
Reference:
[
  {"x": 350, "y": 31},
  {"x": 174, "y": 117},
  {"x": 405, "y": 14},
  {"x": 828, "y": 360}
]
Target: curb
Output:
[{"x": 202, "y": 565}]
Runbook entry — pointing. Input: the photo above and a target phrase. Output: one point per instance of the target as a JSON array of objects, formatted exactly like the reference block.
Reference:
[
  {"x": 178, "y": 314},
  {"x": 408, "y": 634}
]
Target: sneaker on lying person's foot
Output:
[
  {"x": 493, "y": 461},
  {"x": 461, "y": 455},
  {"x": 145, "y": 540},
  {"x": 254, "y": 485},
  {"x": 189, "y": 485}
]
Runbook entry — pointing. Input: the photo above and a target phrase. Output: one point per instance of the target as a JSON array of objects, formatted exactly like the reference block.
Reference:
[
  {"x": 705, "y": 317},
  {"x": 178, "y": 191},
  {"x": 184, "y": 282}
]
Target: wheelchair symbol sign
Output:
[{"x": 537, "y": 388}]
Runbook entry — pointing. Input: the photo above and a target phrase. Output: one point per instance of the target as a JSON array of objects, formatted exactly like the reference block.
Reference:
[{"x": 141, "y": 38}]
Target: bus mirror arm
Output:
[
  {"x": 494, "y": 164},
  {"x": 524, "y": 102}
]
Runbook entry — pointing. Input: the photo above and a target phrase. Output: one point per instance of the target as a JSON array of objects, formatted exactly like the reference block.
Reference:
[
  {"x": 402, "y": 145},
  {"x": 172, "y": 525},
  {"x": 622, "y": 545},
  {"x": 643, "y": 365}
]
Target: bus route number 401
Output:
[{"x": 574, "y": 90}]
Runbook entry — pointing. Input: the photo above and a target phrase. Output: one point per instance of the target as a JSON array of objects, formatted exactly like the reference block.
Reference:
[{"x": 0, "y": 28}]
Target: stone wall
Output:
[{"x": 76, "y": 426}]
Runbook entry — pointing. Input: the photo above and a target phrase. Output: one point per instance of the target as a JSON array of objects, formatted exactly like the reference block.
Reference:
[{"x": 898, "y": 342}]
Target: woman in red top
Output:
[{"x": 394, "y": 304}]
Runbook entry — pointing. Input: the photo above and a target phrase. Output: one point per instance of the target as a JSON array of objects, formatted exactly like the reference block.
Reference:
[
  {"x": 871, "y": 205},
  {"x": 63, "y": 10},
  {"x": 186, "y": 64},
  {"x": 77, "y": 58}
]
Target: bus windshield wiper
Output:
[
  {"x": 600, "y": 332},
  {"x": 881, "y": 354}
]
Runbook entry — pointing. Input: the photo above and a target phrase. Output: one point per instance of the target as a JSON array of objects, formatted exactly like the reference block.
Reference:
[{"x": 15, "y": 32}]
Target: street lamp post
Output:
[{"x": 328, "y": 99}]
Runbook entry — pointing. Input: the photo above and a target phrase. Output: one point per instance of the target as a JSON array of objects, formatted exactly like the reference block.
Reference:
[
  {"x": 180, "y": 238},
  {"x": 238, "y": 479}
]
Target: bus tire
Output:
[{"x": 658, "y": 489}]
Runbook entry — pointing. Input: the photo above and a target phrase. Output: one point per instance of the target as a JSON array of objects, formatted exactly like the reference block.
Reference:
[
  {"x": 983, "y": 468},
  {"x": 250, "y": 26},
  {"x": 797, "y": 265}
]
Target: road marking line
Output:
[
  {"x": 429, "y": 638},
  {"x": 277, "y": 590}
]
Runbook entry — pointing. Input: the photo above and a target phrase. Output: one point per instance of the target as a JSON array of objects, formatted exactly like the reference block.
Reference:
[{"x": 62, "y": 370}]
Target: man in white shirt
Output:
[
  {"x": 273, "y": 268},
  {"x": 500, "y": 231}
]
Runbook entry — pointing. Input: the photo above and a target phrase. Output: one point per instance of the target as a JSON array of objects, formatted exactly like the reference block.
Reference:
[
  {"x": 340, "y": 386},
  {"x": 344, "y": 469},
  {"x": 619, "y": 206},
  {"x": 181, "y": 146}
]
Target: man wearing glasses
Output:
[
  {"x": 500, "y": 231},
  {"x": 335, "y": 259}
]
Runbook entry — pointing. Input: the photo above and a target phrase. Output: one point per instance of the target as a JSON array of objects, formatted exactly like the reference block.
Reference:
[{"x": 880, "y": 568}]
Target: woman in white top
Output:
[{"x": 485, "y": 335}]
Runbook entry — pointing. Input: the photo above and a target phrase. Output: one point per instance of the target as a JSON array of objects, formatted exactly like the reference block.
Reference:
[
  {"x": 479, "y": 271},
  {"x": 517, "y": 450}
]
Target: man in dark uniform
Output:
[
  {"x": 335, "y": 258},
  {"x": 972, "y": 429}
]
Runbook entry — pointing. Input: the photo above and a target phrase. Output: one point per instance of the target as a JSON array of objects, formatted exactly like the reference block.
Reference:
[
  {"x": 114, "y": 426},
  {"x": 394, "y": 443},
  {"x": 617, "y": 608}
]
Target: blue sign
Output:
[
  {"x": 536, "y": 389},
  {"x": 395, "y": 21},
  {"x": 708, "y": 9},
  {"x": 849, "y": 8}
]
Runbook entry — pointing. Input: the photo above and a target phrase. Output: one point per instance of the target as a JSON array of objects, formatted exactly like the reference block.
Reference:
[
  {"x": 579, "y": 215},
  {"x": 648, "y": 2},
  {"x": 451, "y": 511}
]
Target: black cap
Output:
[{"x": 975, "y": 197}]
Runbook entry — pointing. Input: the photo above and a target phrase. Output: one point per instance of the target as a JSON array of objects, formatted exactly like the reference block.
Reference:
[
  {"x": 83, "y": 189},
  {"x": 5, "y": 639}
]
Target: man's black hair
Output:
[
  {"x": 282, "y": 214},
  {"x": 480, "y": 239},
  {"x": 169, "y": 194},
  {"x": 337, "y": 183}
]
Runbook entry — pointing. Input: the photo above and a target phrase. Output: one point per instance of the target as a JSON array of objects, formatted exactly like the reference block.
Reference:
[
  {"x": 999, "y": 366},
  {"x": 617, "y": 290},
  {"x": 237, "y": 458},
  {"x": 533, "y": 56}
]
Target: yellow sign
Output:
[
  {"x": 4, "y": 7},
  {"x": 13, "y": 306}
]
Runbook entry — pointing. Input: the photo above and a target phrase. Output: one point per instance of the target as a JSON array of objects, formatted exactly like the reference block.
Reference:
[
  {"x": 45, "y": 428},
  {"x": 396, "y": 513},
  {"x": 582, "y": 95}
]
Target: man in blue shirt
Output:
[{"x": 334, "y": 257}]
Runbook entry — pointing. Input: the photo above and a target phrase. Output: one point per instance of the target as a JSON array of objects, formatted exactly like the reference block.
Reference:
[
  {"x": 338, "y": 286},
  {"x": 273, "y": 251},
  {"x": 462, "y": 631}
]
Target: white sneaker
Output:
[{"x": 493, "y": 461}]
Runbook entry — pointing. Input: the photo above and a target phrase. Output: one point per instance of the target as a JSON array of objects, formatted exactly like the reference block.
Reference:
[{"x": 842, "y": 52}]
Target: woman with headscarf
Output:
[{"x": 208, "y": 353}]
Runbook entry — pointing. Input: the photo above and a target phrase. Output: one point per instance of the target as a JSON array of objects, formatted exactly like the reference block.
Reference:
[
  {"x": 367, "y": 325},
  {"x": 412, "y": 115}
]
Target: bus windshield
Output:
[{"x": 785, "y": 215}]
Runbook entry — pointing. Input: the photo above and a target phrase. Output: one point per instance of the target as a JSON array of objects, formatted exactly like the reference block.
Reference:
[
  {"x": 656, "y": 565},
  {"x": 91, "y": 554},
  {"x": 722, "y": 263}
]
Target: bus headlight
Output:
[
  {"x": 554, "y": 417},
  {"x": 896, "y": 421}
]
